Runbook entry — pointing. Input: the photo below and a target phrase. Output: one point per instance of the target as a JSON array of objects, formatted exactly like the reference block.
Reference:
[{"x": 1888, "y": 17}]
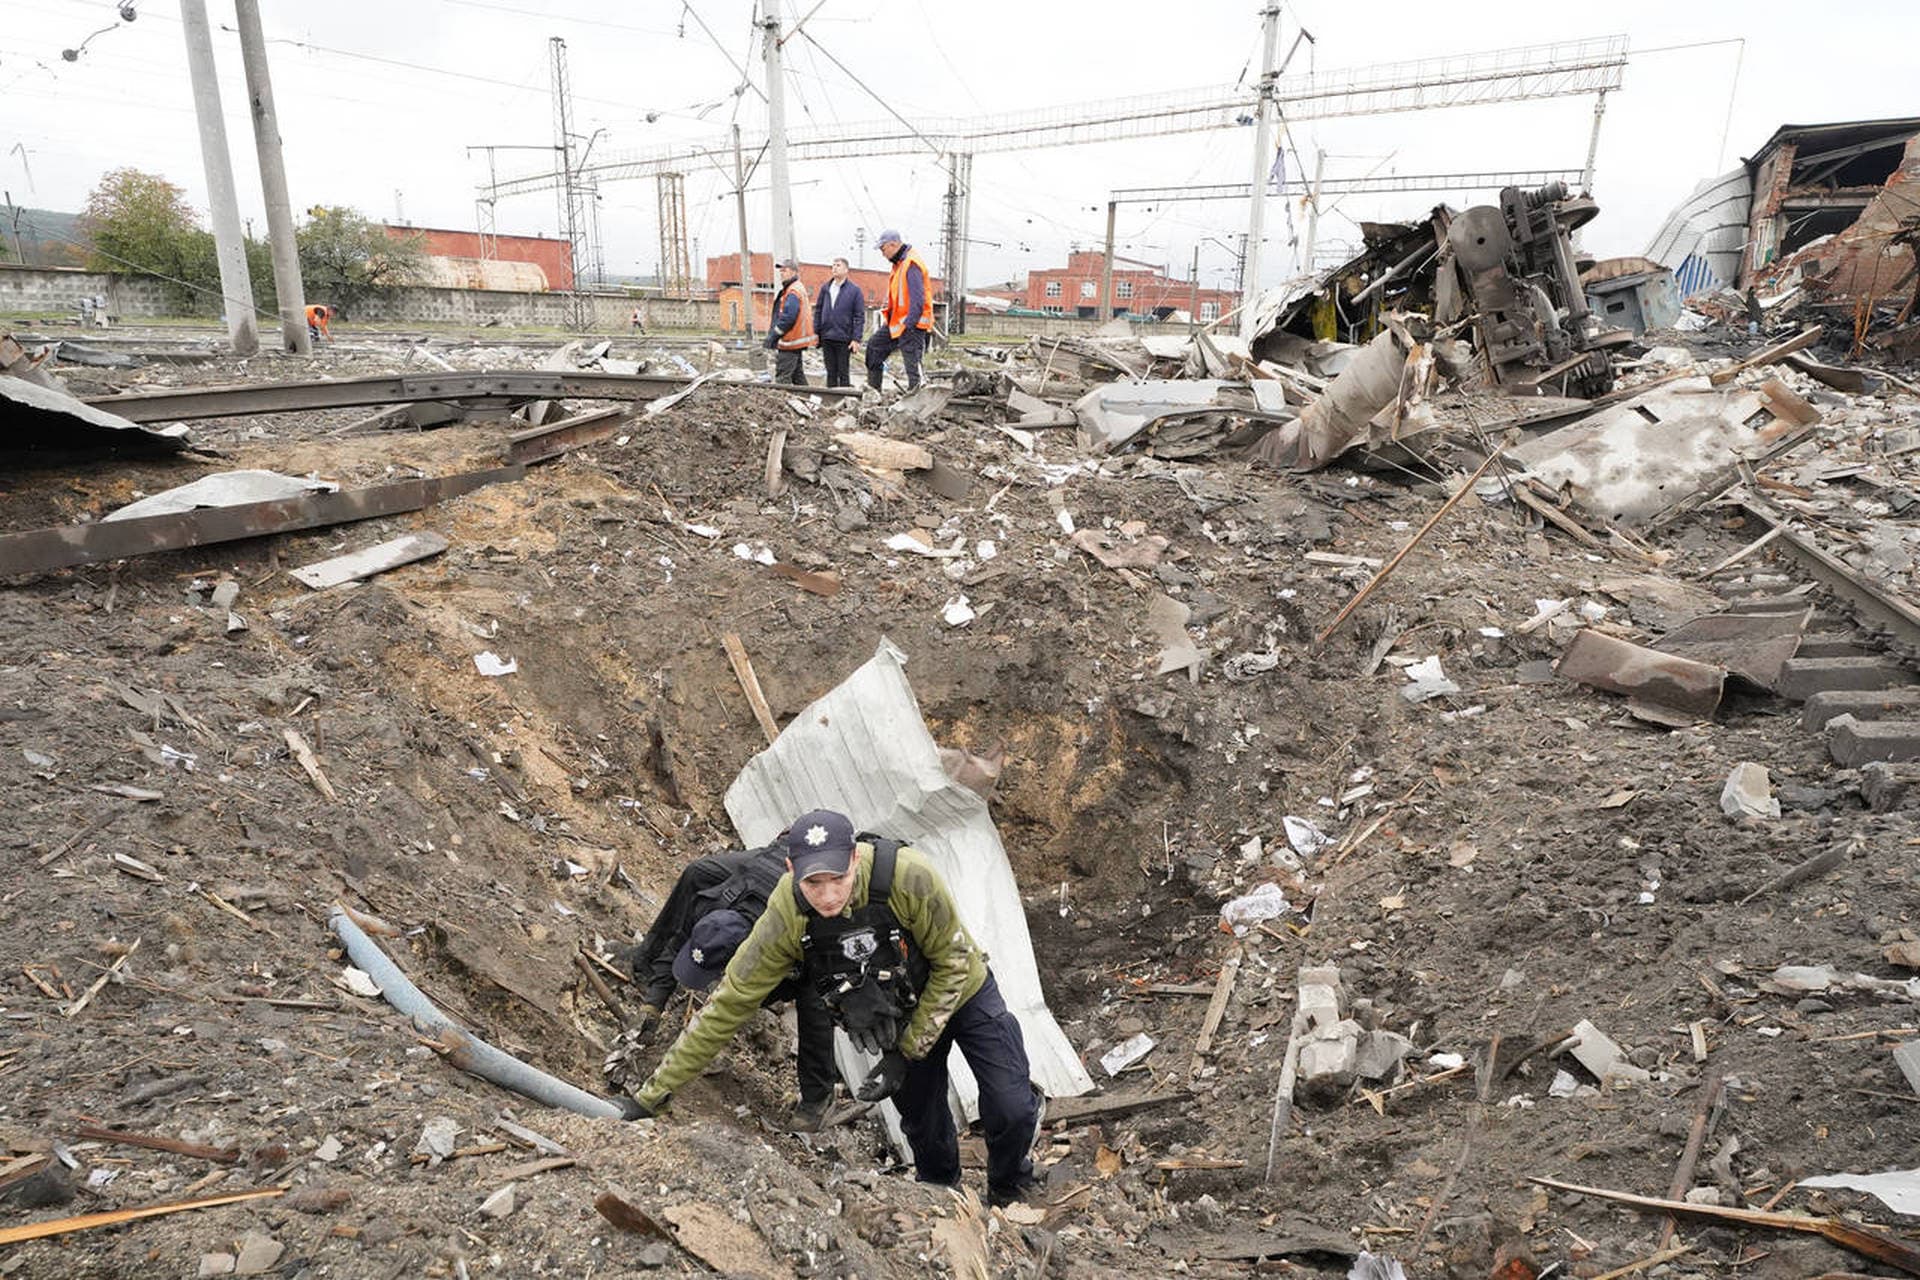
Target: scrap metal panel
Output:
[{"x": 864, "y": 750}]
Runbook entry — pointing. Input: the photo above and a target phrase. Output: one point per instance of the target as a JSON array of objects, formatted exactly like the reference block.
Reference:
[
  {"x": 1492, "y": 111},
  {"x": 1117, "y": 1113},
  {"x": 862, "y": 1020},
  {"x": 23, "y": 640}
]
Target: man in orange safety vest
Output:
[
  {"x": 791, "y": 332},
  {"x": 907, "y": 318}
]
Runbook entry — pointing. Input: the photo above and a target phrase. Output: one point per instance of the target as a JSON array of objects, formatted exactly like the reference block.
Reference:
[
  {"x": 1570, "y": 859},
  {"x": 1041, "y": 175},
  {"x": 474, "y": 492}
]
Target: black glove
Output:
[
  {"x": 633, "y": 1109},
  {"x": 880, "y": 1037},
  {"x": 885, "y": 1079}
]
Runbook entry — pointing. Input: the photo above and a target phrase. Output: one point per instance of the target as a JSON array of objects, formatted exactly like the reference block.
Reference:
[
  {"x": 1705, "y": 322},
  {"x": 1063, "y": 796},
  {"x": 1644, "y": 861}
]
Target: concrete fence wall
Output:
[
  {"x": 54, "y": 291},
  {"x": 58, "y": 290}
]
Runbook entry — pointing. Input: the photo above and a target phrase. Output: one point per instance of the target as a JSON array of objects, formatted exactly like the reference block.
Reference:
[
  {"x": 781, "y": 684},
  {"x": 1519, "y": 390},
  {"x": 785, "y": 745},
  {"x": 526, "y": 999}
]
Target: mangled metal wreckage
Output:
[{"x": 1490, "y": 299}]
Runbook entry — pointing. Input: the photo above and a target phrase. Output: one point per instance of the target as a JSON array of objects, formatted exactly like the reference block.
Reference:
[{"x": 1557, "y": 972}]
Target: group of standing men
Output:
[{"x": 834, "y": 320}]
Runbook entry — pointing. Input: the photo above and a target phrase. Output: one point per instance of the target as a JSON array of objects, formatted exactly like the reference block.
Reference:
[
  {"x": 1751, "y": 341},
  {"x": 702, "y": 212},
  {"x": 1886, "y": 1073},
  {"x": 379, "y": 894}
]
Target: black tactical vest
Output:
[
  {"x": 750, "y": 885},
  {"x": 863, "y": 963}
]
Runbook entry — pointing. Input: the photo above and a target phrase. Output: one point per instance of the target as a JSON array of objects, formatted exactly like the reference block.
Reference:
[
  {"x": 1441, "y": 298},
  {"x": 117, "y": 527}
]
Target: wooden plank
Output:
[
  {"x": 750, "y": 685},
  {"x": 154, "y": 1142},
  {"x": 87, "y": 1221},
  {"x": 1690, "y": 1156},
  {"x": 101, "y": 981},
  {"x": 1848, "y": 1235},
  {"x": 309, "y": 762},
  {"x": 1216, "y": 1009},
  {"x": 368, "y": 561},
  {"x": 1083, "y": 1111},
  {"x": 1771, "y": 355}
]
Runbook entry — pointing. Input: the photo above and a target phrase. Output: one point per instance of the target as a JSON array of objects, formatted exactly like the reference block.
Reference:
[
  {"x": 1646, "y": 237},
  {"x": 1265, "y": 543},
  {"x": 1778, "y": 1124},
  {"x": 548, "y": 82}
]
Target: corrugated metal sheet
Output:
[
  {"x": 1702, "y": 240},
  {"x": 864, "y": 750}
]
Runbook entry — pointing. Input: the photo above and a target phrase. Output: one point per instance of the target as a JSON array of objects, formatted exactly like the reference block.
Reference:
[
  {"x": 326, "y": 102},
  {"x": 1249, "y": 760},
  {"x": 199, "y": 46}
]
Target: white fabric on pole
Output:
[{"x": 864, "y": 750}]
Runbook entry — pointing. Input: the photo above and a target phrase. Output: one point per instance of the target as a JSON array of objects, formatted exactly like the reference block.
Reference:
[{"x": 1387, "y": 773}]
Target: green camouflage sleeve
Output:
[
  {"x": 763, "y": 960},
  {"x": 958, "y": 967}
]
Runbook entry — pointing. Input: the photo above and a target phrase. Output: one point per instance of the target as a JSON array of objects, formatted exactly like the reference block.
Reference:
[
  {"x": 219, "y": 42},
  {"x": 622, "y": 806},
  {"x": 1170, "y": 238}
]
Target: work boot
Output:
[
  {"x": 810, "y": 1117},
  {"x": 1039, "y": 1116},
  {"x": 1032, "y": 1193}
]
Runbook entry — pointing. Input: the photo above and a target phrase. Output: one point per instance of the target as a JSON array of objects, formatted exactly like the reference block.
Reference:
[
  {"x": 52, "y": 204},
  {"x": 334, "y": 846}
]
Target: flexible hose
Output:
[{"x": 463, "y": 1049}]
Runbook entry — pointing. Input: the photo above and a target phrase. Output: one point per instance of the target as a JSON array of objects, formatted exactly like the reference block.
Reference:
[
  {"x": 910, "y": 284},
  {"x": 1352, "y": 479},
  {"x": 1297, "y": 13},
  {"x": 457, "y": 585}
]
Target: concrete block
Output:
[
  {"x": 1831, "y": 644},
  {"x": 1319, "y": 1003},
  {"x": 1801, "y": 678},
  {"x": 1326, "y": 1064},
  {"x": 1380, "y": 1054},
  {"x": 1597, "y": 1052},
  {"x": 1853, "y": 743},
  {"x": 1886, "y": 786},
  {"x": 1748, "y": 793},
  {"x": 1861, "y": 704},
  {"x": 1907, "y": 1058}
]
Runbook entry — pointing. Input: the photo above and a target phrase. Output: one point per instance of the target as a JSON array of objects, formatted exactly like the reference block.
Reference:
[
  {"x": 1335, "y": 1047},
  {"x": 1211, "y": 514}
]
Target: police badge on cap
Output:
[{"x": 820, "y": 843}]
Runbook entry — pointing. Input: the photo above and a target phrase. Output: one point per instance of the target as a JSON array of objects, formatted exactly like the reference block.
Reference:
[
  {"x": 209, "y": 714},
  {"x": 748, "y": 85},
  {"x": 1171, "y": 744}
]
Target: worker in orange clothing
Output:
[
  {"x": 792, "y": 331},
  {"x": 318, "y": 314},
  {"x": 907, "y": 318}
]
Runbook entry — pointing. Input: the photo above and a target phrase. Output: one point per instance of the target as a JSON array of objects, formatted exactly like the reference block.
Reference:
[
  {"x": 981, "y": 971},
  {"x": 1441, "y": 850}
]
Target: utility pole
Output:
[
  {"x": 746, "y": 255},
  {"x": 956, "y": 212},
  {"x": 19, "y": 254},
  {"x": 1106, "y": 268},
  {"x": 962, "y": 172},
  {"x": 1313, "y": 211},
  {"x": 288, "y": 288},
  {"x": 783, "y": 238},
  {"x": 236, "y": 287},
  {"x": 1593, "y": 142},
  {"x": 1193, "y": 295},
  {"x": 1262, "y": 165}
]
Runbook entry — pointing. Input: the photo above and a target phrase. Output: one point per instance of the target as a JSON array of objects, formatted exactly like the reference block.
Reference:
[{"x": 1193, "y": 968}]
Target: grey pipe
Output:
[{"x": 467, "y": 1052}]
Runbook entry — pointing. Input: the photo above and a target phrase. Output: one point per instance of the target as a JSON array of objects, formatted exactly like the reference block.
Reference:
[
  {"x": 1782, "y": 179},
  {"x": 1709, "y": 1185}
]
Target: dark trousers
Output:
[
  {"x": 990, "y": 1040},
  {"x": 787, "y": 370},
  {"x": 834, "y": 352},
  {"x": 911, "y": 345},
  {"x": 816, "y": 1069}
]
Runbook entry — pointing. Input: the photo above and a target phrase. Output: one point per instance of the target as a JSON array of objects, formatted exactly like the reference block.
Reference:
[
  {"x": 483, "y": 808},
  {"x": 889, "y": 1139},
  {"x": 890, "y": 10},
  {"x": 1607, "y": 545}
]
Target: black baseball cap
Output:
[
  {"x": 820, "y": 842},
  {"x": 710, "y": 944}
]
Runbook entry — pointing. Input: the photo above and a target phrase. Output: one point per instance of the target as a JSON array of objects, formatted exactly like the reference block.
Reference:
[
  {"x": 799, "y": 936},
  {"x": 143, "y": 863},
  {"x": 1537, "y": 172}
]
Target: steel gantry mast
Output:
[
  {"x": 568, "y": 191},
  {"x": 1568, "y": 69}
]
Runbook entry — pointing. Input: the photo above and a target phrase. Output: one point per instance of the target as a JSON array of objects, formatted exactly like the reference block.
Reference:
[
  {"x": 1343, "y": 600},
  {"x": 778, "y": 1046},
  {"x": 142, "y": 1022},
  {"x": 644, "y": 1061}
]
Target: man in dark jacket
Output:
[
  {"x": 706, "y": 917},
  {"x": 875, "y": 930},
  {"x": 839, "y": 317}
]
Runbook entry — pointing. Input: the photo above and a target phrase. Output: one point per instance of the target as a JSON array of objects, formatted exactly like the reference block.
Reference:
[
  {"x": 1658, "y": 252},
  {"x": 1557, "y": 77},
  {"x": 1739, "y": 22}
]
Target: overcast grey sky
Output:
[{"x": 379, "y": 101}]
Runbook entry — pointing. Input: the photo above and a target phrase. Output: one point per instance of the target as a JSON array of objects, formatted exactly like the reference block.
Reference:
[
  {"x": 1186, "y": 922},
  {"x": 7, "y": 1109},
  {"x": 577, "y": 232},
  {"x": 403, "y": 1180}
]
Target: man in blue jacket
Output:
[{"x": 839, "y": 316}]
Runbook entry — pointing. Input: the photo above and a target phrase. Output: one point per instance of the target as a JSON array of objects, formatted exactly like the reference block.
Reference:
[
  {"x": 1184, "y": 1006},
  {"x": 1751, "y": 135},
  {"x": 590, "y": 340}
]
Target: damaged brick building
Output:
[{"x": 1829, "y": 212}]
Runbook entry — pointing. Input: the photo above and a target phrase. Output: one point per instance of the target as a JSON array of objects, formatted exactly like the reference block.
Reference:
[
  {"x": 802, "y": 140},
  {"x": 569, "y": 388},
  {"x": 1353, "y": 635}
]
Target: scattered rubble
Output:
[{"x": 1334, "y": 910}]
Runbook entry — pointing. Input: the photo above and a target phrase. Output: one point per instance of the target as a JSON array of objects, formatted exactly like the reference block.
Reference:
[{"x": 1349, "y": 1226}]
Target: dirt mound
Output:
[{"x": 1510, "y": 859}]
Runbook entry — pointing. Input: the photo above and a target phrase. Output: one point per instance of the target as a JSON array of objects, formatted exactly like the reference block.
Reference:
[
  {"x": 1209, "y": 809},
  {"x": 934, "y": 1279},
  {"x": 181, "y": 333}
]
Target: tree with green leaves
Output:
[
  {"x": 344, "y": 258},
  {"x": 142, "y": 223}
]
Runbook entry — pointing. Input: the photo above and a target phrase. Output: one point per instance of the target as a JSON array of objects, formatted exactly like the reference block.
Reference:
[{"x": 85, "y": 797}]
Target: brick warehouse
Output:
[
  {"x": 1138, "y": 288},
  {"x": 547, "y": 254}
]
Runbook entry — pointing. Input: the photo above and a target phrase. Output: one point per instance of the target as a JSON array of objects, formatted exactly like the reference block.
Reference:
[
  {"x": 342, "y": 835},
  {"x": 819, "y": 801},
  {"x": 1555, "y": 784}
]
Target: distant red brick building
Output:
[
  {"x": 550, "y": 256},
  {"x": 1138, "y": 289},
  {"x": 723, "y": 276}
]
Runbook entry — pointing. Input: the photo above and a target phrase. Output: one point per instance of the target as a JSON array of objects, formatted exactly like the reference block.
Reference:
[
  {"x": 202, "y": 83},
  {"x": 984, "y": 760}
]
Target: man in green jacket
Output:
[{"x": 876, "y": 931}]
